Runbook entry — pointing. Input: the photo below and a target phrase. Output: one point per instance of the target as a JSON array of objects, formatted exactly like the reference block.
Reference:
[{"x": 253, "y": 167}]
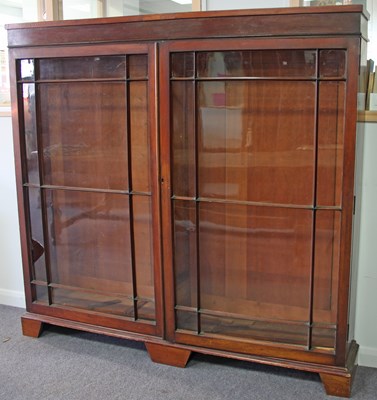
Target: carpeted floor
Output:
[{"x": 70, "y": 365}]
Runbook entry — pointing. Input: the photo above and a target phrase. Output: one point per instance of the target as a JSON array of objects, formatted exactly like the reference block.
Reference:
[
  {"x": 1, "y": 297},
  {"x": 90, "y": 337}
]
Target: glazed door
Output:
[
  {"x": 253, "y": 201},
  {"x": 89, "y": 141}
]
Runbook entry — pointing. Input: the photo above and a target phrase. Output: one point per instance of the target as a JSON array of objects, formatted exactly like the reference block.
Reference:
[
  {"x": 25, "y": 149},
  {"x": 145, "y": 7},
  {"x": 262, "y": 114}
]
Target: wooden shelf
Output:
[{"x": 367, "y": 116}]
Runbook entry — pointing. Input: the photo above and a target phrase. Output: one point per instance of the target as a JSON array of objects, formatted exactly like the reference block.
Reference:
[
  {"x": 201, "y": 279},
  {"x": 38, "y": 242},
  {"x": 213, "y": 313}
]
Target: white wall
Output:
[
  {"x": 29, "y": 10},
  {"x": 151, "y": 6},
  {"x": 73, "y": 9},
  {"x": 11, "y": 282},
  {"x": 366, "y": 310}
]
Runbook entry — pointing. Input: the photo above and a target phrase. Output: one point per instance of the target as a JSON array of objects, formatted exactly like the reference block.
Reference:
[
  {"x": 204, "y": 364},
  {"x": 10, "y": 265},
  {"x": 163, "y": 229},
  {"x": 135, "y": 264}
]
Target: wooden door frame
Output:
[{"x": 351, "y": 44}]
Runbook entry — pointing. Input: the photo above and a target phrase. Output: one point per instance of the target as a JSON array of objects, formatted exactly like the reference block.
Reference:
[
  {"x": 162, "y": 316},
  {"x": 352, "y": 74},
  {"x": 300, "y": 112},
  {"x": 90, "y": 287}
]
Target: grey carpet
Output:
[{"x": 67, "y": 364}]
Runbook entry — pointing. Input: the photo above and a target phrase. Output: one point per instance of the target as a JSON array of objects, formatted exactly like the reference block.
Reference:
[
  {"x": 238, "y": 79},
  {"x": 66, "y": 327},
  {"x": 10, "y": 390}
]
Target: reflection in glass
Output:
[
  {"x": 140, "y": 159},
  {"x": 30, "y": 130},
  {"x": 332, "y": 63},
  {"x": 255, "y": 263},
  {"x": 100, "y": 236},
  {"x": 146, "y": 309},
  {"x": 186, "y": 320},
  {"x": 250, "y": 147},
  {"x": 331, "y": 110},
  {"x": 27, "y": 69},
  {"x": 326, "y": 268},
  {"x": 83, "y": 127},
  {"x": 277, "y": 332},
  {"x": 182, "y": 65},
  {"x": 183, "y": 138},
  {"x": 82, "y": 67},
  {"x": 90, "y": 301},
  {"x": 185, "y": 253},
  {"x": 91, "y": 252},
  {"x": 245, "y": 270},
  {"x": 138, "y": 66},
  {"x": 142, "y": 230},
  {"x": 250, "y": 255},
  {"x": 257, "y": 63},
  {"x": 89, "y": 240},
  {"x": 36, "y": 235},
  {"x": 40, "y": 293}
]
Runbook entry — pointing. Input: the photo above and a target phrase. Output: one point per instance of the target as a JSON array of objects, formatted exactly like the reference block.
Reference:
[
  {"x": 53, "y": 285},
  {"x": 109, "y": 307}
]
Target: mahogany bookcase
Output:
[{"x": 187, "y": 180}]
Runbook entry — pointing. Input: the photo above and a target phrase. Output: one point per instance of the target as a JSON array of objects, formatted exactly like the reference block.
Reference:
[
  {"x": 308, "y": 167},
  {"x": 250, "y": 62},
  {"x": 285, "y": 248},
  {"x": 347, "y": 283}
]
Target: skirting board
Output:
[
  {"x": 367, "y": 356},
  {"x": 12, "y": 298}
]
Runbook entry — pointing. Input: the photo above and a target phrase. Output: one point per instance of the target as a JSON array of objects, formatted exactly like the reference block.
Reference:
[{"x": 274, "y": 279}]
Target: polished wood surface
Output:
[
  {"x": 336, "y": 385},
  {"x": 299, "y": 21},
  {"x": 163, "y": 354},
  {"x": 271, "y": 360},
  {"x": 192, "y": 193},
  {"x": 31, "y": 327}
]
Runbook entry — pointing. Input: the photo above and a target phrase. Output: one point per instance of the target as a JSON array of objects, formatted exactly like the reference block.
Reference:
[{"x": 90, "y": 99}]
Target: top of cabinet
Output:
[{"x": 271, "y": 22}]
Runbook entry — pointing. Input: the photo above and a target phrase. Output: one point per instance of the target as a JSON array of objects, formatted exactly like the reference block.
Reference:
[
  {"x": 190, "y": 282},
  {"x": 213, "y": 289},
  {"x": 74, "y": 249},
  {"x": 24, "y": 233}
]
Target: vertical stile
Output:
[
  {"x": 153, "y": 92},
  {"x": 315, "y": 172},
  {"x": 130, "y": 193},
  {"x": 197, "y": 197}
]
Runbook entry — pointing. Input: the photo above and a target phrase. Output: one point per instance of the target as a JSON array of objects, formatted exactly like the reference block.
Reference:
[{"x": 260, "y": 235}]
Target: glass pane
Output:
[
  {"x": 142, "y": 227},
  {"x": 146, "y": 309},
  {"x": 185, "y": 254},
  {"x": 31, "y": 143},
  {"x": 83, "y": 67},
  {"x": 83, "y": 128},
  {"x": 250, "y": 147},
  {"x": 183, "y": 138},
  {"x": 186, "y": 320},
  {"x": 27, "y": 70},
  {"x": 89, "y": 239},
  {"x": 182, "y": 65},
  {"x": 330, "y": 143},
  {"x": 37, "y": 241},
  {"x": 257, "y": 63},
  {"x": 326, "y": 269},
  {"x": 99, "y": 302},
  {"x": 256, "y": 330},
  {"x": 255, "y": 261},
  {"x": 140, "y": 160},
  {"x": 40, "y": 294},
  {"x": 332, "y": 63},
  {"x": 138, "y": 66}
]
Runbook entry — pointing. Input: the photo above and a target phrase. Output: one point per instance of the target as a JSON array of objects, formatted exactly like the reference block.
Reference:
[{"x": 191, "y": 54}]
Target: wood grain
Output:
[
  {"x": 163, "y": 354},
  {"x": 31, "y": 327},
  {"x": 337, "y": 385}
]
